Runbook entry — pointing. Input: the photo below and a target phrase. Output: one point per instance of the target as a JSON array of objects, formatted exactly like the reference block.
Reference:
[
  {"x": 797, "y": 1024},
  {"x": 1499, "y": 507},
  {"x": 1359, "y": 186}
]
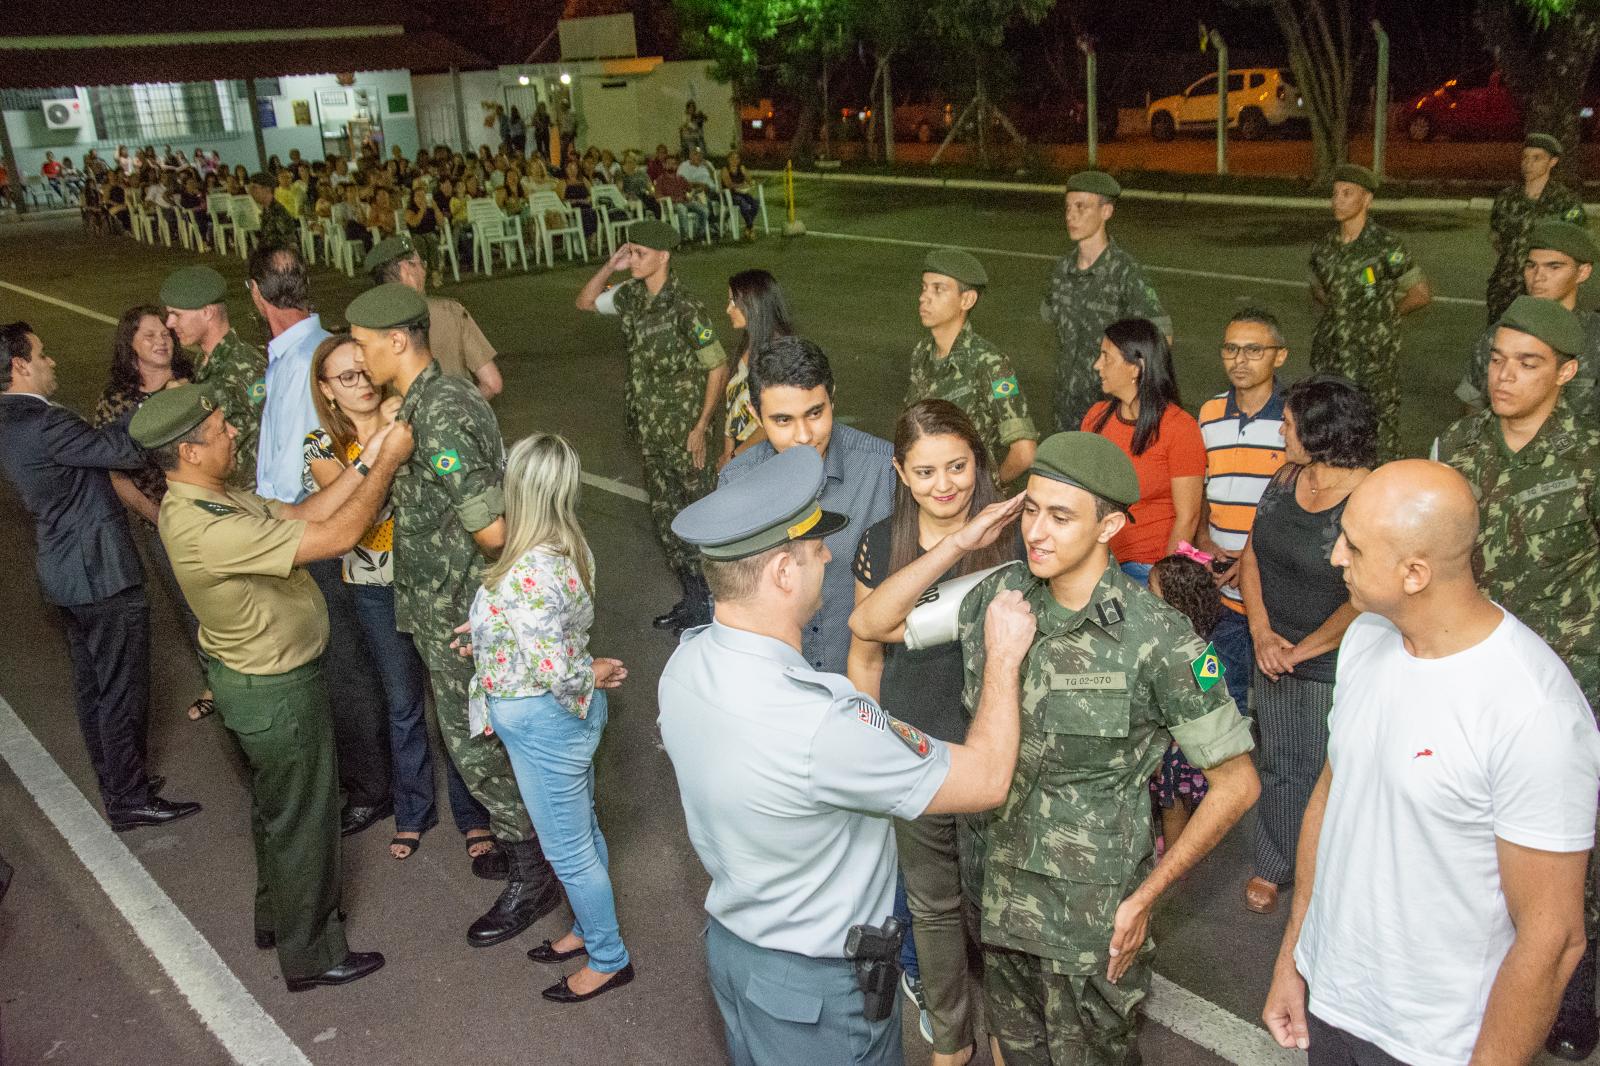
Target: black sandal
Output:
[
  {"x": 491, "y": 865},
  {"x": 405, "y": 842},
  {"x": 205, "y": 706}
]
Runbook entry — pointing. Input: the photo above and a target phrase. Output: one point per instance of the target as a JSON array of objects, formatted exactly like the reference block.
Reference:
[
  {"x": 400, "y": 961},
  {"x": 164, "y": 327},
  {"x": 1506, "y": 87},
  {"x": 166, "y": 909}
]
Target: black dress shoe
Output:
[
  {"x": 356, "y": 818},
  {"x": 547, "y": 952},
  {"x": 355, "y": 966},
  {"x": 156, "y": 811},
  {"x": 561, "y": 992},
  {"x": 676, "y": 618}
]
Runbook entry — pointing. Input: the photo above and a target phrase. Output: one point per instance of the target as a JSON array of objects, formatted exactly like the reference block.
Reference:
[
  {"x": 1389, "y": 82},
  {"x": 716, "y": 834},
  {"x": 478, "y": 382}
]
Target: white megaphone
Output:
[{"x": 936, "y": 619}]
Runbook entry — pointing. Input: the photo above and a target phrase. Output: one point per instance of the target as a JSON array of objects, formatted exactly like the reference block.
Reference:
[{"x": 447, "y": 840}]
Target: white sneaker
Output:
[{"x": 912, "y": 987}]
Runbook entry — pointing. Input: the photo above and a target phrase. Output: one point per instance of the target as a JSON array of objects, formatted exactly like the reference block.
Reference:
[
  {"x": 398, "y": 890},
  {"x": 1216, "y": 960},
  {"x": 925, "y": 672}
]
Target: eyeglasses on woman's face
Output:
[
  {"x": 1252, "y": 352},
  {"x": 350, "y": 378}
]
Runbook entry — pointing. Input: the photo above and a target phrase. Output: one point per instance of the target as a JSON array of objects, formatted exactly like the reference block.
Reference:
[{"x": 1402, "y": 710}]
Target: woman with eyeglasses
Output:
[
  {"x": 1143, "y": 416},
  {"x": 351, "y": 409}
]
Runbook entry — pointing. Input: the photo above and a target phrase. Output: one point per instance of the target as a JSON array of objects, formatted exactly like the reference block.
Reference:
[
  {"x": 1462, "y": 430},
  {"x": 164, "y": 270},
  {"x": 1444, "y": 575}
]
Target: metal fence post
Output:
[
  {"x": 1380, "y": 103},
  {"x": 1091, "y": 100},
  {"x": 1222, "y": 100}
]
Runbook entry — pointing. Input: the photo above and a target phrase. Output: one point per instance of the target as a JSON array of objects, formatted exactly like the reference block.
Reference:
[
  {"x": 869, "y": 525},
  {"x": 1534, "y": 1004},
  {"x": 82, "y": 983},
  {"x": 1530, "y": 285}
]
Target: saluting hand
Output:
[
  {"x": 619, "y": 258},
  {"x": 1008, "y": 628},
  {"x": 985, "y": 527}
]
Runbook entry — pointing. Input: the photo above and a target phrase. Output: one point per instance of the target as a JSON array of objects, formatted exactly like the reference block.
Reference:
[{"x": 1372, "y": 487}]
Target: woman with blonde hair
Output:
[{"x": 538, "y": 688}]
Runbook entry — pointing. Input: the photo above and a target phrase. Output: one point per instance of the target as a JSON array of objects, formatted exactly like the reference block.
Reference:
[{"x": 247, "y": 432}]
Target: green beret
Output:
[
  {"x": 1095, "y": 181},
  {"x": 1092, "y": 463},
  {"x": 389, "y": 306},
  {"x": 653, "y": 234},
  {"x": 1568, "y": 238},
  {"x": 387, "y": 251},
  {"x": 263, "y": 179},
  {"x": 192, "y": 288},
  {"x": 1543, "y": 140},
  {"x": 169, "y": 414},
  {"x": 954, "y": 263},
  {"x": 1548, "y": 321},
  {"x": 1356, "y": 174}
]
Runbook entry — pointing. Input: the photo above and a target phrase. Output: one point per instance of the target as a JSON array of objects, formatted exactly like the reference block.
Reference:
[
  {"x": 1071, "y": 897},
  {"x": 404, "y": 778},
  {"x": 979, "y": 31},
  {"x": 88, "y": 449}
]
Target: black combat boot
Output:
[
  {"x": 531, "y": 892},
  {"x": 676, "y": 618},
  {"x": 699, "y": 601},
  {"x": 1576, "y": 1031}
]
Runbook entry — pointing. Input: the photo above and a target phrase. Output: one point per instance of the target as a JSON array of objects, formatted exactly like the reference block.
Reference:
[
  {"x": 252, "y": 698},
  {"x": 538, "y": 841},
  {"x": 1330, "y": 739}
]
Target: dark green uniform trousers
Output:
[
  {"x": 1042, "y": 1018},
  {"x": 284, "y": 727}
]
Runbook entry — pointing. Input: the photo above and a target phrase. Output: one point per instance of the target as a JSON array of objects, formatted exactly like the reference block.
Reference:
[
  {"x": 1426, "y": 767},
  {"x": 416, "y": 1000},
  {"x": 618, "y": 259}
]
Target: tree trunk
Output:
[
  {"x": 1546, "y": 69},
  {"x": 1321, "y": 54},
  {"x": 888, "y": 111},
  {"x": 802, "y": 146}
]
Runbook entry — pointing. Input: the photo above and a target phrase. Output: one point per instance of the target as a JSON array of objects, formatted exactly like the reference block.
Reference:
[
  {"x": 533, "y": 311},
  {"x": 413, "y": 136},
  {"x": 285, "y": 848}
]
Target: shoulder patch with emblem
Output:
[
  {"x": 1397, "y": 257},
  {"x": 703, "y": 335},
  {"x": 258, "y": 390},
  {"x": 446, "y": 463},
  {"x": 912, "y": 737},
  {"x": 1004, "y": 387},
  {"x": 1207, "y": 668},
  {"x": 870, "y": 714},
  {"x": 218, "y": 509},
  {"x": 1574, "y": 214}
]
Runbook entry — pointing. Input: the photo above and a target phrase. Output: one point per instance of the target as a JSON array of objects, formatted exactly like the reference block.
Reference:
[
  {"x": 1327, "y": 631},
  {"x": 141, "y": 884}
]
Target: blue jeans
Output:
[
  {"x": 405, "y": 691},
  {"x": 908, "y": 947},
  {"x": 1140, "y": 572},
  {"x": 1237, "y": 651},
  {"x": 552, "y": 751}
]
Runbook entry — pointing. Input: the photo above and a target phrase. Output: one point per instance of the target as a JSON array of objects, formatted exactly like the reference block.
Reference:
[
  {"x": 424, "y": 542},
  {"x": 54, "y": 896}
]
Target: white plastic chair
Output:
[
  {"x": 730, "y": 223},
  {"x": 447, "y": 248},
  {"x": 246, "y": 223},
  {"x": 338, "y": 249},
  {"x": 220, "y": 206},
  {"x": 569, "y": 227},
  {"x": 616, "y": 216},
  {"x": 490, "y": 230}
]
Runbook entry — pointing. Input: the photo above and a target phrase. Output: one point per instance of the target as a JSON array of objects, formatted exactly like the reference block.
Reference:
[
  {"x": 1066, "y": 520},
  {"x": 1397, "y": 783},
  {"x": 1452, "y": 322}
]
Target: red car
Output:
[{"x": 1475, "y": 106}]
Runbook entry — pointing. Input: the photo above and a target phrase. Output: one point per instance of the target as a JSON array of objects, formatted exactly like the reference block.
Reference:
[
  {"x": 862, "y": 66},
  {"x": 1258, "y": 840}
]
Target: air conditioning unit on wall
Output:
[{"x": 67, "y": 113}]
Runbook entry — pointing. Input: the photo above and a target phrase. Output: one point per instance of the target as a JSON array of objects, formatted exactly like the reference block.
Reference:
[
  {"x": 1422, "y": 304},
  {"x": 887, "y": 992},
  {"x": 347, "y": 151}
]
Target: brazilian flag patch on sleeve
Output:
[
  {"x": 1004, "y": 387},
  {"x": 258, "y": 390},
  {"x": 703, "y": 335},
  {"x": 1207, "y": 668},
  {"x": 445, "y": 463}
]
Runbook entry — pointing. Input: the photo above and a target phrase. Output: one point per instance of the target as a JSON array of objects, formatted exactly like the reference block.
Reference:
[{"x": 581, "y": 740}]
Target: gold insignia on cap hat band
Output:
[{"x": 805, "y": 525}]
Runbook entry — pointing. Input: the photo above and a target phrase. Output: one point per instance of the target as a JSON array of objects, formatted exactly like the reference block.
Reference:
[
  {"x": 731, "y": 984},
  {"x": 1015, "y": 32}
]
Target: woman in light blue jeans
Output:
[{"x": 540, "y": 691}]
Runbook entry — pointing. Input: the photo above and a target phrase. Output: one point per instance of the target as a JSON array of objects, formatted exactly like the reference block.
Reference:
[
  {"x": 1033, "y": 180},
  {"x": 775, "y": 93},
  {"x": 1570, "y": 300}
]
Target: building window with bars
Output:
[{"x": 163, "y": 111}]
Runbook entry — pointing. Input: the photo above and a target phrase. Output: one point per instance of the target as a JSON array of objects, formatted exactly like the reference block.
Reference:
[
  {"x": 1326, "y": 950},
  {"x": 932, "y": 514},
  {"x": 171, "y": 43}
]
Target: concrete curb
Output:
[{"x": 1413, "y": 204}]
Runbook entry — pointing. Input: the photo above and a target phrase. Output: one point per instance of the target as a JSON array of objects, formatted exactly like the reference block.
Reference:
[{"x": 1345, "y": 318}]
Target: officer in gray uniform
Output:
[{"x": 789, "y": 779}]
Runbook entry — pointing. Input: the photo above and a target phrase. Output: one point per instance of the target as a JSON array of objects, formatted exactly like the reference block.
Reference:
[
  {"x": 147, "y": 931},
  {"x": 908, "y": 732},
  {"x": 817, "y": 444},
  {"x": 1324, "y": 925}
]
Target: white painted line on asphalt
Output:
[
  {"x": 84, "y": 311},
  {"x": 215, "y": 993},
  {"x": 1186, "y": 272},
  {"x": 604, "y": 484},
  {"x": 1219, "y": 1031}
]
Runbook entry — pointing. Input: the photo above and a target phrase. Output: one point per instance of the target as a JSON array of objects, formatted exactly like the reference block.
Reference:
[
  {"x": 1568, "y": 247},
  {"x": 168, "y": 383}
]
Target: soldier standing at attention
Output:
[
  {"x": 458, "y": 345},
  {"x": 789, "y": 776},
  {"x": 240, "y": 561},
  {"x": 1560, "y": 258},
  {"x": 1535, "y": 469},
  {"x": 278, "y": 228},
  {"x": 234, "y": 372},
  {"x": 1366, "y": 281},
  {"x": 676, "y": 370},
  {"x": 1068, "y": 870},
  {"x": 954, "y": 363},
  {"x": 1092, "y": 286},
  {"x": 449, "y": 518},
  {"x": 1517, "y": 209}
]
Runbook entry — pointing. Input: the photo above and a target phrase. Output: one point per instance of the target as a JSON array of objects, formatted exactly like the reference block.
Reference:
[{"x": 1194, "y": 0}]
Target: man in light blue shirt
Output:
[
  {"x": 280, "y": 289},
  {"x": 791, "y": 387}
]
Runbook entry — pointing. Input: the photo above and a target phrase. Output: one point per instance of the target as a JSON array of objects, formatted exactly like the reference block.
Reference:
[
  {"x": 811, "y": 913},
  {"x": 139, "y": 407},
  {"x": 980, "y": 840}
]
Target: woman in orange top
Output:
[{"x": 1143, "y": 416}]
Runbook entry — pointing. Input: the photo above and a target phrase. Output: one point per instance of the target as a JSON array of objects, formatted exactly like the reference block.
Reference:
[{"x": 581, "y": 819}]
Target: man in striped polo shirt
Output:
[{"x": 1243, "y": 432}]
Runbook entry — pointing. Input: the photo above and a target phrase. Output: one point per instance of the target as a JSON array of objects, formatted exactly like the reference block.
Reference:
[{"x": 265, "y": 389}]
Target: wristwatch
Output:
[{"x": 361, "y": 468}]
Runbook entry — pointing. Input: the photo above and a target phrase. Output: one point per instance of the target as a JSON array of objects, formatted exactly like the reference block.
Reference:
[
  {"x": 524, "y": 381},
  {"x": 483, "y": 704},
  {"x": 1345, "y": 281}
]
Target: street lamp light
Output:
[
  {"x": 566, "y": 79},
  {"x": 522, "y": 79}
]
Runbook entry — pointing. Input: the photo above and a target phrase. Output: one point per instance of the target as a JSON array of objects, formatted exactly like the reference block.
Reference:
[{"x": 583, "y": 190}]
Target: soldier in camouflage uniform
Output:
[
  {"x": 676, "y": 370},
  {"x": 1560, "y": 258},
  {"x": 1068, "y": 876},
  {"x": 1517, "y": 209},
  {"x": 1535, "y": 469},
  {"x": 1094, "y": 285},
  {"x": 1366, "y": 280},
  {"x": 954, "y": 363},
  {"x": 236, "y": 372},
  {"x": 449, "y": 510},
  {"x": 278, "y": 227}
]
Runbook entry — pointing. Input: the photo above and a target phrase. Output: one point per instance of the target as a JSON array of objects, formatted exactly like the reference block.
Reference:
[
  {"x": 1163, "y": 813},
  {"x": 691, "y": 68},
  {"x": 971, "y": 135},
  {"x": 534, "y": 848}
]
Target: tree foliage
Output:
[{"x": 1545, "y": 49}]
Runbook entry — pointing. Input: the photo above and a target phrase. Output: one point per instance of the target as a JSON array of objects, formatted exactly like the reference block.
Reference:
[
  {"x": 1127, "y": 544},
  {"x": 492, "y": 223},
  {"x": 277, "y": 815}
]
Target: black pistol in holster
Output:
[{"x": 875, "y": 953}]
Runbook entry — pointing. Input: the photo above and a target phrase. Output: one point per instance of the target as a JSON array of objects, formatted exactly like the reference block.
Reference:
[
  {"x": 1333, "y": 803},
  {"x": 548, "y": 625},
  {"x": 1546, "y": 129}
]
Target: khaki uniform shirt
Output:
[
  {"x": 458, "y": 345},
  {"x": 234, "y": 559},
  {"x": 1103, "y": 690}
]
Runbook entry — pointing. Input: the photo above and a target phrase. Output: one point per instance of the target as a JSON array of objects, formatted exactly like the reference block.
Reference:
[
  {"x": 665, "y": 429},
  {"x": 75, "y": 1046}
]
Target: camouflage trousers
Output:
[
  {"x": 1077, "y": 389},
  {"x": 1591, "y": 894},
  {"x": 481, "y": 760},
  {"x": 1042, "y": 1018},
  {"x": 1505, "y": 285},
  {"x": 1376, "y": 369},
  {"x": 673, "y": 484}
]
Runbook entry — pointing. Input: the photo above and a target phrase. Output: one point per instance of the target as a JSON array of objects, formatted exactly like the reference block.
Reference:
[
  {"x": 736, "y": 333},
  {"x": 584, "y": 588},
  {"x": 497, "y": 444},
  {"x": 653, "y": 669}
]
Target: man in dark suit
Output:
[{"x": 87, "y": 566}]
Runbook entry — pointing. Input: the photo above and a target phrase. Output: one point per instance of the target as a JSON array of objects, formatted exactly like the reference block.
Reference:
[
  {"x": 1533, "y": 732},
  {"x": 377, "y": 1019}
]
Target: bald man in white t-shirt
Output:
[{"x": 1439, "y": 903}]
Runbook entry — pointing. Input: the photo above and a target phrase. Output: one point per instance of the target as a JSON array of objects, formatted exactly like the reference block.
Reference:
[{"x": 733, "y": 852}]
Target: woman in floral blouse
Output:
[
  {"x": 540, "y": 691},
  {"x": 350, "y": 409},
  {"x": 146, "y": 358}
]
